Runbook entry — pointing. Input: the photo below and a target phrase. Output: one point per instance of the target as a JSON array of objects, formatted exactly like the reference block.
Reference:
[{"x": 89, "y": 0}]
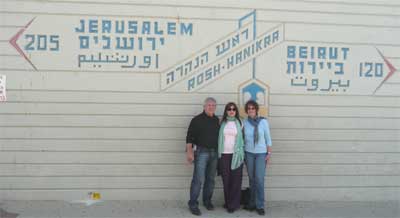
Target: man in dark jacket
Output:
[{"x": 201, "y": 149}]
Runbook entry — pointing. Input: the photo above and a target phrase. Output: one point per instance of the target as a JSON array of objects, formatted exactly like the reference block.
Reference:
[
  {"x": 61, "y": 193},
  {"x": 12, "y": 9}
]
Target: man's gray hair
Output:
[{"x": 208, "y": 99}]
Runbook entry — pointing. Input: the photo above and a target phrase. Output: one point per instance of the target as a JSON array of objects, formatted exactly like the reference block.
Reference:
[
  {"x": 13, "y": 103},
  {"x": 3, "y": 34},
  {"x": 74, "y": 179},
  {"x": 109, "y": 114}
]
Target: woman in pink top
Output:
[{"x": 231, "y": 156}]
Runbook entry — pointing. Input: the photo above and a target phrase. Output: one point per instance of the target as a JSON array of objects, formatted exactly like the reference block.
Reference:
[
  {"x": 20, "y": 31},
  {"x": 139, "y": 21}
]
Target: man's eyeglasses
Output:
[{"x": 251, "y": 108}]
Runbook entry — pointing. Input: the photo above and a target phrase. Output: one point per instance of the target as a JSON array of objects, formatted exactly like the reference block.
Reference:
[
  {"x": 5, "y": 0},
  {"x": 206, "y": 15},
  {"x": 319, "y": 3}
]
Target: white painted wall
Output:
[{"x": 67, "y": 130}]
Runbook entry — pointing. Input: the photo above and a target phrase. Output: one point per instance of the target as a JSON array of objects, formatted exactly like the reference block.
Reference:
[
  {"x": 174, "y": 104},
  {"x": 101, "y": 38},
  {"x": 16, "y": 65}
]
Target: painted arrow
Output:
[
  {"x": 14, "y": 39},
  {"x": 392, "y": 69}
]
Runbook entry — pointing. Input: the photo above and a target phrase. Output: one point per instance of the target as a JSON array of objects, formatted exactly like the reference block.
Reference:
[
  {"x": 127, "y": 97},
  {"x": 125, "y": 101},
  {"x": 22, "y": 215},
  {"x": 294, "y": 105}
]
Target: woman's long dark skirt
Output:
[{"x": 232, "y": 181}]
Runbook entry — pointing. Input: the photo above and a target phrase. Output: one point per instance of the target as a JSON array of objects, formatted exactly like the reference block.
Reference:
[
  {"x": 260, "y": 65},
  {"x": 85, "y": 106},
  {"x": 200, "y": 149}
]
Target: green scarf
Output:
[{"x": 238, "y": 152}]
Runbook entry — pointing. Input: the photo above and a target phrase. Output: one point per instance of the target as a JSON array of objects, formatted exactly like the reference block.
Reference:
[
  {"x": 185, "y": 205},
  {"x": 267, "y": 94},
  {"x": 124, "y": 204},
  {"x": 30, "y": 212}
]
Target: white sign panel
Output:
[{"x": 189, "y": 57}]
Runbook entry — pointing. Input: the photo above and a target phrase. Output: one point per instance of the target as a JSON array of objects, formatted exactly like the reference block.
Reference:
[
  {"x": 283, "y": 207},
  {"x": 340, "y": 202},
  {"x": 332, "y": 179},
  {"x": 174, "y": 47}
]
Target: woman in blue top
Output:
[{"x": 257, "y": 153}]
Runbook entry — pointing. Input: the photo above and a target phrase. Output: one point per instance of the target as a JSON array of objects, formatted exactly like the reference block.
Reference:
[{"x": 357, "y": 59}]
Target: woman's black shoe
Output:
[
  {"x": 230, "y": 210},
  {"x": 249, "y": 208},
  {"x": 260, "y": 211}
]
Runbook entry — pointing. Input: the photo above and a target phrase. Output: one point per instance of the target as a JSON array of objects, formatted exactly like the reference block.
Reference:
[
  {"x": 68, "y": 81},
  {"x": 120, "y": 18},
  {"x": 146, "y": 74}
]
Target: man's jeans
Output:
[
  {"x": 256, "y": 170},
  {"x": 205, "y": 168}
]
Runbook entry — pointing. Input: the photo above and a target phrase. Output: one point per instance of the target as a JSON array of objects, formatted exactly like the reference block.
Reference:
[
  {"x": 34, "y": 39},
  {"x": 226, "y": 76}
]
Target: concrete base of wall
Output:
[{"x": 178, "y": 209}]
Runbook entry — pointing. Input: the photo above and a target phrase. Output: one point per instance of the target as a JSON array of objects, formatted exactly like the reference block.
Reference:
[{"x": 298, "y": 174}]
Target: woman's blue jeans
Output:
[
  {"x": 205, "y": 168},
  {"x": 256, "y": 170}
]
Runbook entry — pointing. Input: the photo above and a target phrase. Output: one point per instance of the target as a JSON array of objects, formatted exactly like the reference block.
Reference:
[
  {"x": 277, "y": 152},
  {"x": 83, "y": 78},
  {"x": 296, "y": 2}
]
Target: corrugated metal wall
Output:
[{"x": 64, "y": 133}]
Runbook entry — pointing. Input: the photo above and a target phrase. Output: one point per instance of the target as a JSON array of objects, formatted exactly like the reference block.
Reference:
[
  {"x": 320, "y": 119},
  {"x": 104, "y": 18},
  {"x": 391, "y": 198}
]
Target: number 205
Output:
[{"x": 42, "y": 42}]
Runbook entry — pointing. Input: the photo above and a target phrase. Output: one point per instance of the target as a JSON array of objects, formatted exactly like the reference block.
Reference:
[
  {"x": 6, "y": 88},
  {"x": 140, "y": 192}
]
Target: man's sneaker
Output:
[
  {"x": 260, "y": 211},
  {"x": 209, "y": 206},
  {"x": 195, "y": 211}
]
